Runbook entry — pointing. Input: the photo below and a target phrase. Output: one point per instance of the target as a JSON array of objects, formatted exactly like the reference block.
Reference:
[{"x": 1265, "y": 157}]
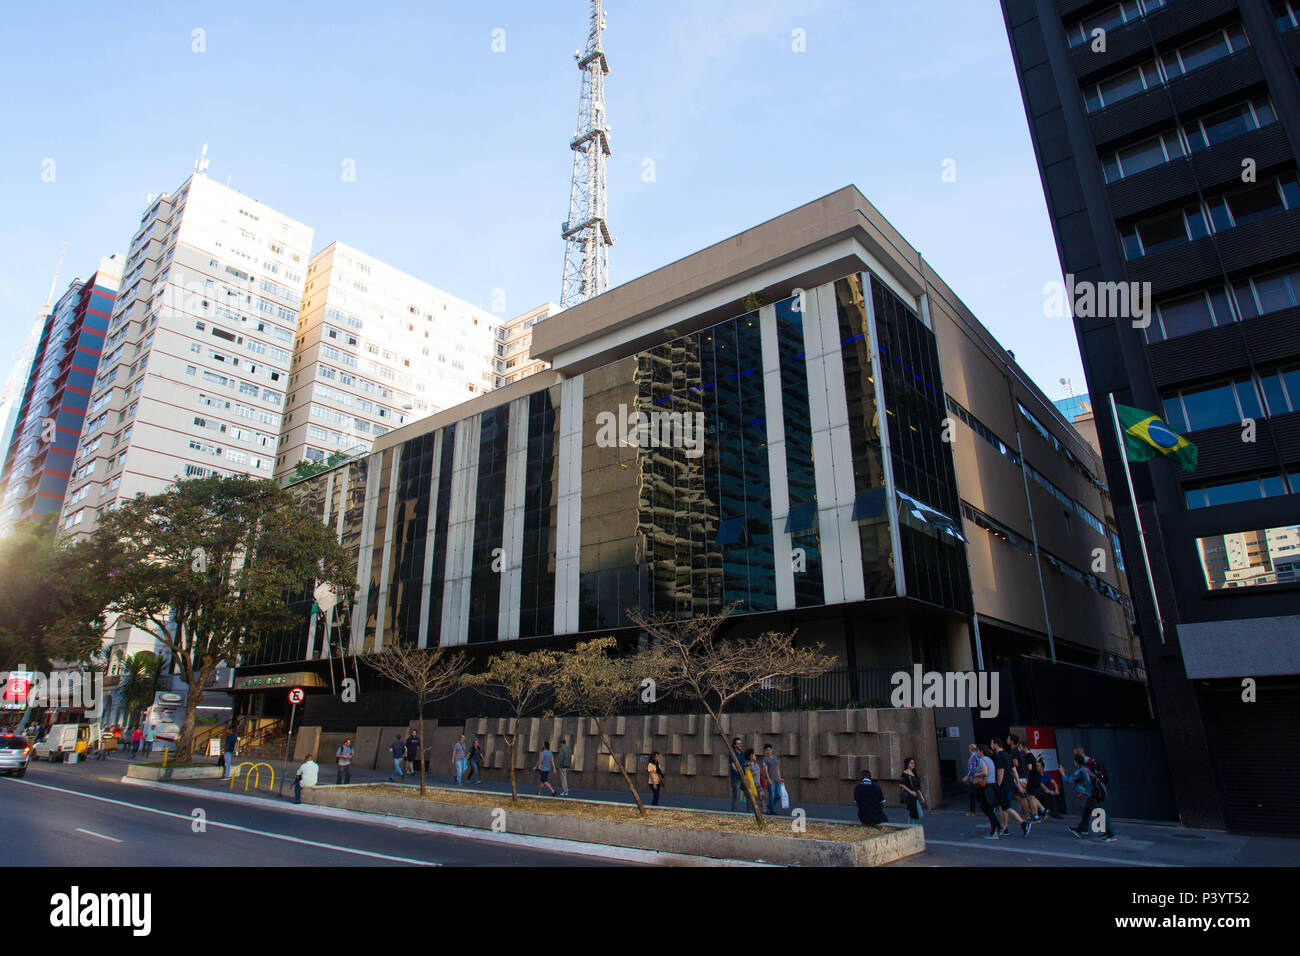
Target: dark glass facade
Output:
[
  {"x": 488, "y": 551},
  {"x": 541, "y": 496}
]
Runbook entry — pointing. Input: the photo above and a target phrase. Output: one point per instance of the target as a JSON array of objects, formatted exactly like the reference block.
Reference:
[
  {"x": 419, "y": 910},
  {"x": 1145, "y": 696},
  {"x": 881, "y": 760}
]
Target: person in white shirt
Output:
[{"x": 308, "y": 774}]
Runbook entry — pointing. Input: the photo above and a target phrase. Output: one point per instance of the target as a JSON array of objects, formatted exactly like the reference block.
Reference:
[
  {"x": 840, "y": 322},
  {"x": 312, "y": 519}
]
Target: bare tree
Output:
[
  {"x": 595, "y": 683},
  {"x": 429, "y": 674},
  {"x": 715, "y": 670},
  {"x": 520, "y": 681}
]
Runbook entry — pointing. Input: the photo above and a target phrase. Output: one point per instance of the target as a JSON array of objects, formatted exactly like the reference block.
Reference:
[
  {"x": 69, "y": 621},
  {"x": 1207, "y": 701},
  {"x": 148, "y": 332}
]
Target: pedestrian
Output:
[
  {"x": 871, "y": 802},
  {"x": 985, "y": 774},
  {"x": 1087, "y": 789},
  {"x": 909, "y": 789},
  {"x": 566, "y": 764},
  {"x": 1051, "y": 792},
  {"x": 972, "y": 768},
  {"x": 755, "y": 771},
  {"x": 308, "y": 775},
  {"x": 1034, "y": 789},
  {"x": 545, "y": 762},
  {"x": 232, "y": 742},
  {"x": 101, "y": 752},
  {"x": 458, "y": 759},
  {"x": 398, "y": 750},
  {"x": 137, "y": 738},
  {"x": 1005, "y": 789},
  {"x": 656, "y": 774},
  {"x": 412, "y": 751},
  {"x": 772, "y": 767},
  {"x": 344, "y": 757},
  {"x": 737, "y": 764},
  {"x": 475, "y": 761},
  {"x": 149, "y": 735}
]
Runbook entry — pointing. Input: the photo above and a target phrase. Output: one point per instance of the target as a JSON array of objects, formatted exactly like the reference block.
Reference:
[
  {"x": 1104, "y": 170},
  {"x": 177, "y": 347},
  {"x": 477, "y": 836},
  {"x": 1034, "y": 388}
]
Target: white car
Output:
[{"x": 15, "y": 754}]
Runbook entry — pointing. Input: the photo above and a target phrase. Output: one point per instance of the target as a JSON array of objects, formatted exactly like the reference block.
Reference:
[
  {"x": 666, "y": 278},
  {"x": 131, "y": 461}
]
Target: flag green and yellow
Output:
[{"x": 1147, "y": 437}]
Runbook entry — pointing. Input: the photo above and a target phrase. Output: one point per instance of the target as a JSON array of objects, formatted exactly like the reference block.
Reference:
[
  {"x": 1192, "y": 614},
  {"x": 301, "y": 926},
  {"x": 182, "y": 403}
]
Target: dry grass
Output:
[{"x": 656, "y": 816}]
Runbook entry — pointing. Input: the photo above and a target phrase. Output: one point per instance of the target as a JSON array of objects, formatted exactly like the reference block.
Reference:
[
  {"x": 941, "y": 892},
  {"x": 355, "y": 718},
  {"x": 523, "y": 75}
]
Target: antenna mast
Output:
[{"x": 586, "y": 231}]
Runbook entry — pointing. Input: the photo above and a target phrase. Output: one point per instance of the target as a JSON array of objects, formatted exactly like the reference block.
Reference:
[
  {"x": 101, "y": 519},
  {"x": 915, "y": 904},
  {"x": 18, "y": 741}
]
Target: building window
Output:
[
  {"x": 1285, "y": 15},
  {"x": 1169, "y": 66},
  {"x": 1207, "y": 406},
  {"x": 1235, "y": 208},
  {"x": 1230, "y": 492},
  {"x": 1108, "y": 19}
]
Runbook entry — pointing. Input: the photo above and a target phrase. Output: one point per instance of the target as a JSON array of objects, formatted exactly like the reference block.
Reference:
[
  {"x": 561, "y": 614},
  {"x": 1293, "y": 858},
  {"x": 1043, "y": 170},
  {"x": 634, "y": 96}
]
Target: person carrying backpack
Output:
[{"x": 1090, "y": 787}]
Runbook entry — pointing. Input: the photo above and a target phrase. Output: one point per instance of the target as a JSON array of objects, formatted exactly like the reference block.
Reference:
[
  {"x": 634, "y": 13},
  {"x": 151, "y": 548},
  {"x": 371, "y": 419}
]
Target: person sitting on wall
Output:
[{"x": 871, "y": 802}]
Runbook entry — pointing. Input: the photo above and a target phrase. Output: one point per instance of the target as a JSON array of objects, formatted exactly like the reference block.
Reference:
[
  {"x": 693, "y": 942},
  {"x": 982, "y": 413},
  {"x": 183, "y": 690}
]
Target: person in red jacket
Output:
[{"x": 137, "y": 736}]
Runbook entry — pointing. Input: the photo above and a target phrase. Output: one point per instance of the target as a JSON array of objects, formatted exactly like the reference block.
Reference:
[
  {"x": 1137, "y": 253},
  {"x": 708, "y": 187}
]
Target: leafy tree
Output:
[
  {"x": 429, "y": 674},
  {"x": 521, "y": 682},
  {"x": 207, "y": 567},
  {"x": 715, "y": 671},
  {"x": 595, "y": 683},
  {"x": 48, "y": 610}
]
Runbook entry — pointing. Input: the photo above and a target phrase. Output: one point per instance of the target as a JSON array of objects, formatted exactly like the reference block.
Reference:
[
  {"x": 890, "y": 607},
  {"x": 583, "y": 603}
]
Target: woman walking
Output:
[
  {"x": 972, "y": 768},
  {"x": 909, "y": 788},
  {"x": 656, "y": 774}
]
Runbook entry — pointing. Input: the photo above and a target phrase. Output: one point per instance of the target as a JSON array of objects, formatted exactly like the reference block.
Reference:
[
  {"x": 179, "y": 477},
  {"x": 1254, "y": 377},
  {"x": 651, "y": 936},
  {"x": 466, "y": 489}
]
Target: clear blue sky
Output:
[{"x": 461, "y": 156}]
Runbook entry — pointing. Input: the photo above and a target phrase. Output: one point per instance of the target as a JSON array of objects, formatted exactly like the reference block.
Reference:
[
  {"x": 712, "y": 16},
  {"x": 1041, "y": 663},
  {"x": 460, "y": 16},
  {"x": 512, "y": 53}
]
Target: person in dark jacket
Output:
[
  {"x": 737, "y": 759},
  {"x": 412, "y": 752},
  {"x": 398, "y": 750},
  {"x": 232, "y": 743},
  {"x": 871, "y": 802},
  {"x": 475, "y": 761}
]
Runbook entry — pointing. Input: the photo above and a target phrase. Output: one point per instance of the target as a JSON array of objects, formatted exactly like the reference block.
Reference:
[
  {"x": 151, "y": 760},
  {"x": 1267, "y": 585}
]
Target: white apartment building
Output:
[
  {"x": 514, "y": 341},
  {"x": 196, "y": 363},
  {"x": 377, "y": 348}
]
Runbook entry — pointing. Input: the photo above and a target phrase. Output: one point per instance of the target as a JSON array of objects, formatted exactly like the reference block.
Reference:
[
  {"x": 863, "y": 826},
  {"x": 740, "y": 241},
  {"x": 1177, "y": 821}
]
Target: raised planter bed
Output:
[
  {"x": 144, "y": 771},
  {"x": 692, "y": 832}
]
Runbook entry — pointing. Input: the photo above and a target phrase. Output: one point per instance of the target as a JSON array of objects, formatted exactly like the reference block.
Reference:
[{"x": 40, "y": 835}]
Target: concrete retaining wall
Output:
[
  {"x": 894, "y": 843},
  {"x": 141, "y": 772}
]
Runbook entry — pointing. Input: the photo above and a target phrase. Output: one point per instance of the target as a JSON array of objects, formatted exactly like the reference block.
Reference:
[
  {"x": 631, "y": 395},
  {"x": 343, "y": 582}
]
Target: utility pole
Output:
[{"x": 586, "y": 232}]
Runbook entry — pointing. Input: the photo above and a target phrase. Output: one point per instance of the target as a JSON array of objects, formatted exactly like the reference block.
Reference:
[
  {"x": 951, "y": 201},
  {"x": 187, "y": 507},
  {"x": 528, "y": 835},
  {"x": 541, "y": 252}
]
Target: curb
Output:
[{"x": 553, "y": 844}]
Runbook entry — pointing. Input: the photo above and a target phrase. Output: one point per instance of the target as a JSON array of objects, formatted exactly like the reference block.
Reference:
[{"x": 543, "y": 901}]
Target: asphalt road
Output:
[{"x": 80, "y": 816}]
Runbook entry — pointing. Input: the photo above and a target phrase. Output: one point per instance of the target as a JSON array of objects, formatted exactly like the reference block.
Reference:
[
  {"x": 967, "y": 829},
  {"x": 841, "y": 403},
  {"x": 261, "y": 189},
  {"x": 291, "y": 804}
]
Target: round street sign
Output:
[{"x": 296, "y": 695}]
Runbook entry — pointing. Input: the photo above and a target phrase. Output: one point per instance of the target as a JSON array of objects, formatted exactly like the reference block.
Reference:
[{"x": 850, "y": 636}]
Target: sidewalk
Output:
[{"x": 1049, "y": 842}]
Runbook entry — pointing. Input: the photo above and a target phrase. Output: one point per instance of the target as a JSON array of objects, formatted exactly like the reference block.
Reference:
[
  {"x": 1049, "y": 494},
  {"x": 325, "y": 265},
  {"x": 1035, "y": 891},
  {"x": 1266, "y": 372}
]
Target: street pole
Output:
[{"x": 293, "y": 709}]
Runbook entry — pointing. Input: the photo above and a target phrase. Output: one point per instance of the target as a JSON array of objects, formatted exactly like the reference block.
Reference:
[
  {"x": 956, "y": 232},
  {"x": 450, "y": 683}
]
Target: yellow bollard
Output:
[{"x": 166, "y": 751}]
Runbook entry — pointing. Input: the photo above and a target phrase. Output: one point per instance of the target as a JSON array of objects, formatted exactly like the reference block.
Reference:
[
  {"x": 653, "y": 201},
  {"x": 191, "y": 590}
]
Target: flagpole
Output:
[{"x": 1132, "y": 497}]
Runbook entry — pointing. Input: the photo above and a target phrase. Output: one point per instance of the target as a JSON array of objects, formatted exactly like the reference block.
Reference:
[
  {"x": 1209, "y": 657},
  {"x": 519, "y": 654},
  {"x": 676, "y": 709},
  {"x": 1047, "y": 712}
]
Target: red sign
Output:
[
  {"x": 1042, "y": 741},
  {"x": 296, "y": 695}
]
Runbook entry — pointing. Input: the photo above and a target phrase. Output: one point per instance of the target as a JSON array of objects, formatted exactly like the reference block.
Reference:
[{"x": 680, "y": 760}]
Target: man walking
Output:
[
  {"x": 398, "y": 750},
  {"x": 545, "y": 762},
  {"x": 1087, "y": 790},
  {"x": 149, "y": 735},
  {"x": 475, "y": 760},
  {"x": 232, "y": 740},
  {"x": 412, "y": 751},
  {"x": 772, "y": 765},
  {"x": 1006, "y": 789},
  {"x": 566, "y": 762},
  {"x": 458, "y": 759},
  {"x": 344, "y": 757},
  {"x": 737, "y": 760}
]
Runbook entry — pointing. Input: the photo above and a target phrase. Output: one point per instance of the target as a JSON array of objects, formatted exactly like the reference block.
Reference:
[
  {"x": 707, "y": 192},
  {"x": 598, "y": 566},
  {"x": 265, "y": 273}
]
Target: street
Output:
[{"x": 79, "y": 815}]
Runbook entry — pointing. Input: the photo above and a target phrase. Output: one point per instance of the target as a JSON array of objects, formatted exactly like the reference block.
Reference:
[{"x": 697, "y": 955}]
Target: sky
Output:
[{"x": 454, "y": 119}]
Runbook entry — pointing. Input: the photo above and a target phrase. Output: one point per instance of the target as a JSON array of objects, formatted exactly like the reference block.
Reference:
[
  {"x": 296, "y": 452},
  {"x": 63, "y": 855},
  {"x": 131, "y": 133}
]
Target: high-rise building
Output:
[
  {"x": 377, "y": 348},
  {"x": 1167, "y": 134},
  {"x": 196, "y": 362},
  {"x": 52, "y": 403},
  {"x": 514, "y": 344}
]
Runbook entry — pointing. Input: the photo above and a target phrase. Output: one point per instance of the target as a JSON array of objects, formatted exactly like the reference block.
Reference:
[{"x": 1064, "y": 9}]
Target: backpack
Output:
[{"x": 1099, "y": 778}]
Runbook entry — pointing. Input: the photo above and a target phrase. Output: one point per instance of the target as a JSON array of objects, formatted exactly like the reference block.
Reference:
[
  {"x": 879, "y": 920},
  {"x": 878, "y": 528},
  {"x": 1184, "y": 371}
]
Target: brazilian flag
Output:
[{"x": 1147, "y": 437}]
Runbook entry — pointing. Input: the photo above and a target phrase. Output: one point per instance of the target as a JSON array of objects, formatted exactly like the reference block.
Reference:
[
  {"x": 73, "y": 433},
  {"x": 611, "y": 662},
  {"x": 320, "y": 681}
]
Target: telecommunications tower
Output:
[{"x": 586, "y": 231}]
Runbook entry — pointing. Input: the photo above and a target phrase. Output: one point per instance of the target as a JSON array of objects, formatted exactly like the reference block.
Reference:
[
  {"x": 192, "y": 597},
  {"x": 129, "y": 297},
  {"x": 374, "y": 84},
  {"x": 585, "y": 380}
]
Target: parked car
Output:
[{"x": 15, "y": 754}]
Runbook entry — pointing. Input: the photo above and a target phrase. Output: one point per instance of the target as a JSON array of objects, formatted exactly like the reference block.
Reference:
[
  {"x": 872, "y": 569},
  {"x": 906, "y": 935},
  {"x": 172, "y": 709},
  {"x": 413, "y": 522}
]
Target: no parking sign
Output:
[{"x": 296, "y": 695}]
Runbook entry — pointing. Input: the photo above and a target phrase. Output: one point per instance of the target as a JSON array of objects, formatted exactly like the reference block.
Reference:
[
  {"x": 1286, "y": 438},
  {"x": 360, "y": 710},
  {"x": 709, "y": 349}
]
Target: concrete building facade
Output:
[
  {"x": 377, "y": 348},
  {"x": 514, "y": 345}
]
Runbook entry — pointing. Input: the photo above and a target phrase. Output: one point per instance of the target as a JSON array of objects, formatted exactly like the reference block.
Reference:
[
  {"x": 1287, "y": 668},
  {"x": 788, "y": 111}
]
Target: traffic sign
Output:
[{"x": 296, "y": 695}]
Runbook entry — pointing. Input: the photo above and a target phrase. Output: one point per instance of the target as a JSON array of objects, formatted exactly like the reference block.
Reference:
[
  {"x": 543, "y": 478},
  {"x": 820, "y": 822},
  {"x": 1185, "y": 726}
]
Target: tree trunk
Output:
[
  {"x": 185, "y": 742},
  {"x": 419, "y": 713},
  {"x": 514, "y": 790},
  {"x": 600, "y": 729},
  {"x": 750, "y": 789}
]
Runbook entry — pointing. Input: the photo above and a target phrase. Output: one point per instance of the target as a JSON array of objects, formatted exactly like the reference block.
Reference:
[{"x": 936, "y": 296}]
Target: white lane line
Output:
[
  {"x": 231, "y": 826},
  {"x": 1037, "y": 852},
  {"x": 100, "y": 835}
]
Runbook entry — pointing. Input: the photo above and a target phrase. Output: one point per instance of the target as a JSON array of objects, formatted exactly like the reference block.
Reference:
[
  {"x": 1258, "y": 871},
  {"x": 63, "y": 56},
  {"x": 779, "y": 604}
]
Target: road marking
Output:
[
  {"x": 231, "y": 826},
  {"x": 100, "y": 835},
  {"x": 990, "y": 845}
]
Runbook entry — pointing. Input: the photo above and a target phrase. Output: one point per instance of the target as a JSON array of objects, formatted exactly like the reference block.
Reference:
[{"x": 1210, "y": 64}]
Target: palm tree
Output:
[{"x": 141, "y": 673}]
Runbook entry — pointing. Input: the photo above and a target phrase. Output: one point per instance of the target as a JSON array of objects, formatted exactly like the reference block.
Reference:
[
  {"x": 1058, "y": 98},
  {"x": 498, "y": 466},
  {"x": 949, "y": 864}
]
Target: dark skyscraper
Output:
[{"x": 1166, "y": 133}]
